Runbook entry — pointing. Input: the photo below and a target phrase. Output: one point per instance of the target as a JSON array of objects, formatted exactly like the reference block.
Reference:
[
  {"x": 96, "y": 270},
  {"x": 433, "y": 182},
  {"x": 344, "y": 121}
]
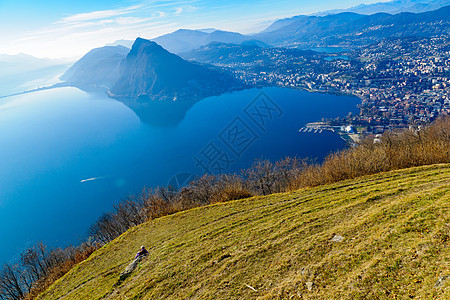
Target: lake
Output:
[{"x": 68, "y": 155}]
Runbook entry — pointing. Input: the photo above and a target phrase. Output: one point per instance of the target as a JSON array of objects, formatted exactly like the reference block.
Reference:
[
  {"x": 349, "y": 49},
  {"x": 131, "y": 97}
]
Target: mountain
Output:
[
  {"x": 350, "y": 29},
  {"x": 393, "y": 7},
  {"x": 21, "y": 60},
  {"x": 22, "y": 72},
  {"x": 307, "y": 28},
  {"x": 282, "y": 23},
  {"x": 184, "y": 40},
  {"x": 383, "y": 236},
  {"x": 225, "y": 55},
  {"x": 100, "y": 67},
  {"x": 148, "y": 72},
  {"x": 152, "y": 72},
  {"x": 217, "y": 53}
]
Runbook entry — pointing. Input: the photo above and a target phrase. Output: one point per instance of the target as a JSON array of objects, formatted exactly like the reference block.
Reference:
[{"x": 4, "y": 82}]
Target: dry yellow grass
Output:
[{"x": 396, "y": 245}]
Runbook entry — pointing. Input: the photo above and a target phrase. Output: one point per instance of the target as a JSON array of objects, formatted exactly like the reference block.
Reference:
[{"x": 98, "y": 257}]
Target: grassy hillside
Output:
[{"x": 395, "y": 228}]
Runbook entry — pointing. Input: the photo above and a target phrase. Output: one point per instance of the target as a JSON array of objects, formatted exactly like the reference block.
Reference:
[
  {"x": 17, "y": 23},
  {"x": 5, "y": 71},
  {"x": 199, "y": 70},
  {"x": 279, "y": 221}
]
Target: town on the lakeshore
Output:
[{"x": 400, "y": 81}]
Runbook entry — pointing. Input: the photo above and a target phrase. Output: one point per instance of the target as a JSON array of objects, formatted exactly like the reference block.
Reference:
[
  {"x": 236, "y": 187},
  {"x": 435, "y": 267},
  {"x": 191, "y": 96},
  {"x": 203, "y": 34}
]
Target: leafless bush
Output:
[
  {"x": 158, "y": 202},
  {"x": 198, "y": 192},
  {"x": 39, "y": 267},
  {"x": 229, "y": 187},
  {"x": 107, "y": 228},
  {"x": 11, "y": 284},
  {"x": 265, "y": 178},
  {"x": 261, "y": 177},
  {"x": 61, "y": 261},
  {"x": 212, "y": 188},
  {"x": 132, "y": 211}
]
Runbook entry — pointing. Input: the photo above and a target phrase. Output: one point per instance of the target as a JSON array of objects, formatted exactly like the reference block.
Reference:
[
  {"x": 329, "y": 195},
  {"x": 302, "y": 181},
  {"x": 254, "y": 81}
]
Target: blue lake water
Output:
[
  {"x": 329, "y": 49},
  {"x": 330, "y": 58},
  {"x": 67, "y": 155}
]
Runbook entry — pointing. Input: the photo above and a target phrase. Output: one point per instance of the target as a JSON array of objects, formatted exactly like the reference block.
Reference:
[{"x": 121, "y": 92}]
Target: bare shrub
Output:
[
  {"x": 132, "y": 211},
  {"x": 106, "y": 228},
  {"x": 39, "y": 268},
  {"x": 212, "y": 188},
  {"x": 158, "y": 202},
  {"x": 261, "y": 177},
  {"x": 61, "y": 261},
  {"x": 229, "y": 187},
  {"x": 265, "y": 178},
  {"x": 11, "y": 284}
]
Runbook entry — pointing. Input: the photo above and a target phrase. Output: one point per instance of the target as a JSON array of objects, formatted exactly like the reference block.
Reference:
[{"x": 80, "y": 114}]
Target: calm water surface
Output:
[{"x": 67, "y": 155}]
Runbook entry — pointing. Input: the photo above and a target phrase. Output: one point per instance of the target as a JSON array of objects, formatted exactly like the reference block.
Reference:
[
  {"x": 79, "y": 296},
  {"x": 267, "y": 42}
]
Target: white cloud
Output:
[
  {"x": 130, "y": 20},
  {"x": 75, "y": 35},
  {"x": 160, "y": 14},
  {"x": 97, "y": 15},
  {"x": 75, "y": 43}
]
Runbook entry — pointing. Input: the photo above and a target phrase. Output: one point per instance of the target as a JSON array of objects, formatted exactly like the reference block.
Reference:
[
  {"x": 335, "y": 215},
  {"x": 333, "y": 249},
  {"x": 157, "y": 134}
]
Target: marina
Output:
[
  {"x": 347, "y": 133},
  {"x": 319, "y": 127}
]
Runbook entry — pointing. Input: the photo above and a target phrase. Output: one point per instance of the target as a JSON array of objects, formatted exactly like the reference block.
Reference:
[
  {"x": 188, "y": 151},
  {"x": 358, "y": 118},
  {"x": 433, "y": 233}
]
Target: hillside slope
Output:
[{"x": 395, "y": 228}]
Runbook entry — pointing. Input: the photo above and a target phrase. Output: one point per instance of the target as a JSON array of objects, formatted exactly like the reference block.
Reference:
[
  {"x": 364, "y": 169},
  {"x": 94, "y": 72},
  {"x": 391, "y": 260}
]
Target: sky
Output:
[{"x": 69, "y": 29}]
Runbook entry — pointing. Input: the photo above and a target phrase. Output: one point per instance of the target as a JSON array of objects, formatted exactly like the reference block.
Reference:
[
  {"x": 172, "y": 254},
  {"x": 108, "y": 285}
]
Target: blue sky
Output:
[{"x": 63, "y": 28}]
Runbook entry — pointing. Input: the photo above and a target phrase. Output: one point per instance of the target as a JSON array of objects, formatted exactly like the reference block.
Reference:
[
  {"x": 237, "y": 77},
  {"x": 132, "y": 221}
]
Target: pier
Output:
[
  {"x": 345, "y": 132},
  {"x": 319, "y": 127}
]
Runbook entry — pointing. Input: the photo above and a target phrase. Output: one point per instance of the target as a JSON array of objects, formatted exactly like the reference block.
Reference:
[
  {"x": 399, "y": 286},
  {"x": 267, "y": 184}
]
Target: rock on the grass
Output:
[
  {"x": 337, "y": 238},
  {"x": 441, "y": 280}
]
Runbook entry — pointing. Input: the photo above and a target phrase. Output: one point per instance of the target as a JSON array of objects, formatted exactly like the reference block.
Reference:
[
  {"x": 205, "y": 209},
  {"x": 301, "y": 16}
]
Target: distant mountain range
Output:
[
  {"x": 345, "y": 28},
  {"x": 31, "y": 62},
  {"x": 350, "y": 29},
  {"x": 393, "y": 7},
  {"x": 222, "y": 54},
  {"x": 125, "y": 43},
  {"x": 184, "y": 40},
  {"x": 22, "y": 72}
]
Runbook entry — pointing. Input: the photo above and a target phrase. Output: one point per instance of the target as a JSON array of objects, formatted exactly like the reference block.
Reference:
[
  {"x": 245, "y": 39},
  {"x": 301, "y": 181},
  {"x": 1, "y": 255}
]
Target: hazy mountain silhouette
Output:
[
  {"x": 222, "y": 53},
  {"x": 393, "y": 7},
  {"x": 278, "y": 24},
  {"x": 125, "y": 43},
  {"x": 22, "y": 72},
  {"x": 184, "y": 40},
  {"x": 354, "y": 29},
  {"x": 100, "y": 67}
]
